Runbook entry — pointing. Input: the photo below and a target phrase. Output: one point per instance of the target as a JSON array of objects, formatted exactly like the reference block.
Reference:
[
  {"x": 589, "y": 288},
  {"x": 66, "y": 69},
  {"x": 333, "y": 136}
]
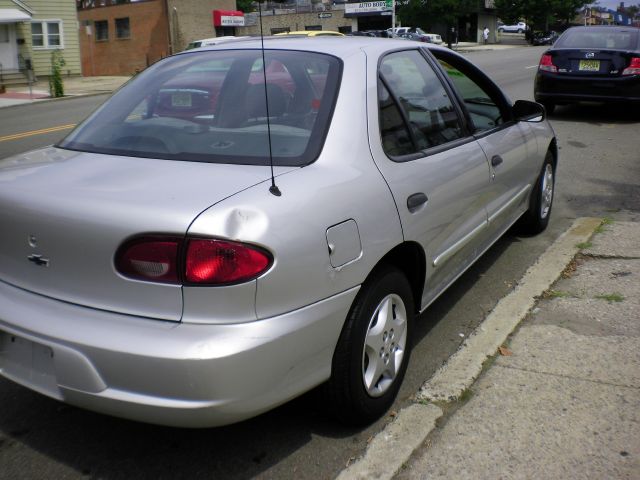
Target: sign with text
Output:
[
  {"x": 365, "y": 7},
  {"x": 228, "y": 18}
]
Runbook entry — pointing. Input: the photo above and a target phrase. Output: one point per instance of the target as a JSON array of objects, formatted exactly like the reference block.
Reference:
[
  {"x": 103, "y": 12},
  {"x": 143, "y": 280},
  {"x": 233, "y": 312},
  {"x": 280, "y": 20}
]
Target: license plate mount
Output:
[
  {"x": 28, "y": 363},
  {"x": 589, "y": 65}
]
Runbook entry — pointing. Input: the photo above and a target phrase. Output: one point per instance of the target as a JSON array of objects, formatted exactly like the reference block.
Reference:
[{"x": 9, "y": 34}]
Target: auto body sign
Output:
[{"x": 365, "y": 7}]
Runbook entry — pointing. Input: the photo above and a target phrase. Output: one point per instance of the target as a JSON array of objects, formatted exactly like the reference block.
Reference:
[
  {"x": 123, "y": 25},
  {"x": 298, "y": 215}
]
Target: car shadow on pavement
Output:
[
  {"x": 58, "y": 440},
  {"x": 597, "y": 113}
]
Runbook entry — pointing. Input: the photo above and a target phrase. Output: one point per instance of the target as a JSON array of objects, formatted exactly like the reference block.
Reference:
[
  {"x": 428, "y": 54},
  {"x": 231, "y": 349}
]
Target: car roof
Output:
[
  {"x": 616, "y": 28},
  {"x": 343, "y": 46},
  {"x": 311, "y": 33}
]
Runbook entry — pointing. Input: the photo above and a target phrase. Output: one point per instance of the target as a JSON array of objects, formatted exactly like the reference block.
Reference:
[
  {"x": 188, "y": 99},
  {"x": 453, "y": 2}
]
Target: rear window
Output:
[
  {"x": 599, "y": 38},
  {"x": 211, "y": 107}
]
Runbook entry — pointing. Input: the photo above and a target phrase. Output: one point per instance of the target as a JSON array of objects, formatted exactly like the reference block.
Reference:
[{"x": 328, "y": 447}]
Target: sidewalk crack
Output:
[{"x": 559, "y": 375}]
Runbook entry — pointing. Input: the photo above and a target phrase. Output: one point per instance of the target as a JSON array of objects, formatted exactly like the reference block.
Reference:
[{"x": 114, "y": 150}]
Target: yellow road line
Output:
[{"x": 17, "y": 136}]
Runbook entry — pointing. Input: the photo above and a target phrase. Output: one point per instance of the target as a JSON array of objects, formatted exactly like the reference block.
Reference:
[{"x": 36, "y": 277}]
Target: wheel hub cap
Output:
[
  {"x": 384, "y": 346},
  {"x": 547, "y": 191}
]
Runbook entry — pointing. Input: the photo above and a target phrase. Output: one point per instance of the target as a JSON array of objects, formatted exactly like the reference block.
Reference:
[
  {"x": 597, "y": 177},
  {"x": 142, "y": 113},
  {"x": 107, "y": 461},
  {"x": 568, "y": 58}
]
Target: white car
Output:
[
  {"x": 208, "y": 42},
  {"x": 519, "y": 27},
  {"x": 432, "y": 37}
]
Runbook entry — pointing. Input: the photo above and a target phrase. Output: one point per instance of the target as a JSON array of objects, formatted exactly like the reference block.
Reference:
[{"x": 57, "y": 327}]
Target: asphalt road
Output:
[{"x": 599, "y": 175}]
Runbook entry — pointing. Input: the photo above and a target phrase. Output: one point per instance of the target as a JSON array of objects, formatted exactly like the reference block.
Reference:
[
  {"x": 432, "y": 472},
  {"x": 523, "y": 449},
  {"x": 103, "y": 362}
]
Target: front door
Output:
[
  {"x": 8, "y": 47},
  {"x": 437, "y": 172}
]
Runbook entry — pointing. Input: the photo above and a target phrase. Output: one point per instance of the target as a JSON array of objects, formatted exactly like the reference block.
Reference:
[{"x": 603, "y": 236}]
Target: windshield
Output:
[
  {"x": 599, "y": 38},
  {"x": 209, "y": 106}
]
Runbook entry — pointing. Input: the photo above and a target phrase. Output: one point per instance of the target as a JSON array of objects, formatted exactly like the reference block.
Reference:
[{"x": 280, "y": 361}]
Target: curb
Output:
[{"x": 387, "y": 452}]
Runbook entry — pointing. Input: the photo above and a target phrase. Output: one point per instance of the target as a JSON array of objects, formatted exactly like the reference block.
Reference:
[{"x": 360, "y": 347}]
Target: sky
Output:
[{"x": 613, "y": 4}]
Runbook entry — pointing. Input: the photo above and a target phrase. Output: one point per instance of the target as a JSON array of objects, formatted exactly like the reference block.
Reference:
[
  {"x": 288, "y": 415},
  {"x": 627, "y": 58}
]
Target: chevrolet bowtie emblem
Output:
[{"x": 38, "y": 260}]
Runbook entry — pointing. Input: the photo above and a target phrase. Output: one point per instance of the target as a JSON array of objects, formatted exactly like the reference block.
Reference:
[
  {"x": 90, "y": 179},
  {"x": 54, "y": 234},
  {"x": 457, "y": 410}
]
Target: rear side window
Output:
[
  {"x": 215, "y": 106},
  {"x": 599, "y": 38},
  {"x": 415, "y": 110}
]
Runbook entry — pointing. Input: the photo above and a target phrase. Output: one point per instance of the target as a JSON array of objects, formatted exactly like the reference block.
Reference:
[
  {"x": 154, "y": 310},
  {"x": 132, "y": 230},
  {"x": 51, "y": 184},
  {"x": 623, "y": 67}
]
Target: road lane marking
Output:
[
  {"x": 17, "y": 136},
  {"x": 532, "y": 66}
]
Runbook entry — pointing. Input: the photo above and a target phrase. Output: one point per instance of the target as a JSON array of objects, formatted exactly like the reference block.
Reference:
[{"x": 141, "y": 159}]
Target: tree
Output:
[
  {"x": 539, "y": 14},
  {"x": 427, "y": 13},
  {"x": 245, "y": 6}
]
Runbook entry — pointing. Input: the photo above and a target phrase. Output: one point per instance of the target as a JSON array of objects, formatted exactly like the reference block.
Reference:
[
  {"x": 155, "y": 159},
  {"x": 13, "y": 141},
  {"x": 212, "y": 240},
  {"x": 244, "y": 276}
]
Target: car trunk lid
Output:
[
  {"x": 591, "y": 62},
  {"x": 64, "y": 214}
]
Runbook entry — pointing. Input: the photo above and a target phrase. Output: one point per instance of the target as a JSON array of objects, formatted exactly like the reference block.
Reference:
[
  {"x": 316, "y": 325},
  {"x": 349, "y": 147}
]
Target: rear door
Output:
[{"x": 435, "y": 169}]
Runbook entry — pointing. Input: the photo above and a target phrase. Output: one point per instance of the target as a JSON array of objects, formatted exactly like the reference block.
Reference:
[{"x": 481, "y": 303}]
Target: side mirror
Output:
[{"x": 526, "y": 111}]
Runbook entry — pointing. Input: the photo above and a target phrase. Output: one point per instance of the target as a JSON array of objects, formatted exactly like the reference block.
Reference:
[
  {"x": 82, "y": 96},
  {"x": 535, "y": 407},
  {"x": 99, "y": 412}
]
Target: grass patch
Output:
[
  {"x": 611, "y": 297},
  {"x": 602, "y": 227},
  {"x": 559, "y": 294},
  {"x": 465, "y": 396},
  {"x": 583, "y": 245}
]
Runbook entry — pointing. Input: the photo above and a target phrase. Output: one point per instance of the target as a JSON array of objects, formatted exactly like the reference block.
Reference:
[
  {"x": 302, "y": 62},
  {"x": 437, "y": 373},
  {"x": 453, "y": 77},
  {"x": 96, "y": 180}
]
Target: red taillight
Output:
[
  {"x": 205, "y": 262},
  {"x": 150, "y": 258},
  {"x": 214, "y": 262},
  {"x": 546, "y": 64},
  {"x": 633, "y": 68}
]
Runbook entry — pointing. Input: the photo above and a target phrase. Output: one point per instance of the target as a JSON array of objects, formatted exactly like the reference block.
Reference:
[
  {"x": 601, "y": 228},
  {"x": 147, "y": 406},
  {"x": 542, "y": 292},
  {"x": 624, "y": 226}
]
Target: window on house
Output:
[
  {"x": 102, "y": 30},
  {"x": 122, "y": 28},
  {"x": 47, "y": 34}
]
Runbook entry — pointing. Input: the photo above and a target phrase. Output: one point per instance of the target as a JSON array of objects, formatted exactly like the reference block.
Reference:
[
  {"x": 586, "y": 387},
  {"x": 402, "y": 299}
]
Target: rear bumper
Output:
[
  {"x": 189, "y": 375},
  {"x": 573, "y": 88}
]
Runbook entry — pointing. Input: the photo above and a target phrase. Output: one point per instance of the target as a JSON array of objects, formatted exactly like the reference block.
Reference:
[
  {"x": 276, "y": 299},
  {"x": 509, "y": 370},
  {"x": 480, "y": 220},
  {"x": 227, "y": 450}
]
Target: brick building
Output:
[{"x": 124, "y": 38}]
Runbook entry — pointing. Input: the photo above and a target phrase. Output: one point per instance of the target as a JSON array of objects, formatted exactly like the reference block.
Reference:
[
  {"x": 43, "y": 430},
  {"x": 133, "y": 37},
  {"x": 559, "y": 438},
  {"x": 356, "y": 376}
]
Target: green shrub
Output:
[{"x": 56, "y": 87}]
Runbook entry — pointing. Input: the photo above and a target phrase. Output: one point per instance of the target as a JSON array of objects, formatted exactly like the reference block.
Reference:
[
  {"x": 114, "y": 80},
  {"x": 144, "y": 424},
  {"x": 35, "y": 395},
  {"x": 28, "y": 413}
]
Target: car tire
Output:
[
  {"x": 536, "y": 219},
  {"x": 373, "y": 351},
  {"x": 501, "y": 30},
  {"x": 520, "y": 30}
]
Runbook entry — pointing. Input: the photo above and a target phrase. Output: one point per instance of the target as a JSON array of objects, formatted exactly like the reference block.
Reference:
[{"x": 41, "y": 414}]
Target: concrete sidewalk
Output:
[
  {"x": 559, "y": 398},
  {"x": 73, "y": 87}
]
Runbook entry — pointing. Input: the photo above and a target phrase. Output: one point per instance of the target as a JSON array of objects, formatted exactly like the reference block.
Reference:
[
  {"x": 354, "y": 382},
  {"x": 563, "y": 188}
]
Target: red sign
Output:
[{"x": 228, "y": 18}]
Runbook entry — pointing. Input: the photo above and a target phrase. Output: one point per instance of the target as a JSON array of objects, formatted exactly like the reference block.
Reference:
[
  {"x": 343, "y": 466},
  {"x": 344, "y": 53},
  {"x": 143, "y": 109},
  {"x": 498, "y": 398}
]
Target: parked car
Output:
[
  {"x": 599, "y": 63},
  {"x": 519, "y": 27},
  {"x": 544, "y": 38},
  {"x": 312, "y": 33},
  {"x": 361, "y": 33},
  {"x": 416, "y": 33},
  {"x": 199, "y": 251},
  {"x": 415, "y": 37},
  {"x": 208, "y": 42}
]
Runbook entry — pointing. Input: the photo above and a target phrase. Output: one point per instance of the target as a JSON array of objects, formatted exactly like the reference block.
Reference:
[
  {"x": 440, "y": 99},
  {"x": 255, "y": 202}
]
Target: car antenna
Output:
[{"x": 273, "y": 188}]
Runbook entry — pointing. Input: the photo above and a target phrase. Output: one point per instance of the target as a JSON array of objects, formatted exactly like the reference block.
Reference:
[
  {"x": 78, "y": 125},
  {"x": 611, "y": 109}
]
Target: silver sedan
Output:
[{"x": 237, "y": 226}]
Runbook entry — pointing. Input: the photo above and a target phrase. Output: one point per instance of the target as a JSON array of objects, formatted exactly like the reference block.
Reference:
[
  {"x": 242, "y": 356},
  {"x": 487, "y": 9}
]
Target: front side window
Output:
[
  {"x": 214, "y": 106},
  {"x": 486, "y": 109},
  {"x": 415, "y": 110},
  {"x": 47, "y": 34}
]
